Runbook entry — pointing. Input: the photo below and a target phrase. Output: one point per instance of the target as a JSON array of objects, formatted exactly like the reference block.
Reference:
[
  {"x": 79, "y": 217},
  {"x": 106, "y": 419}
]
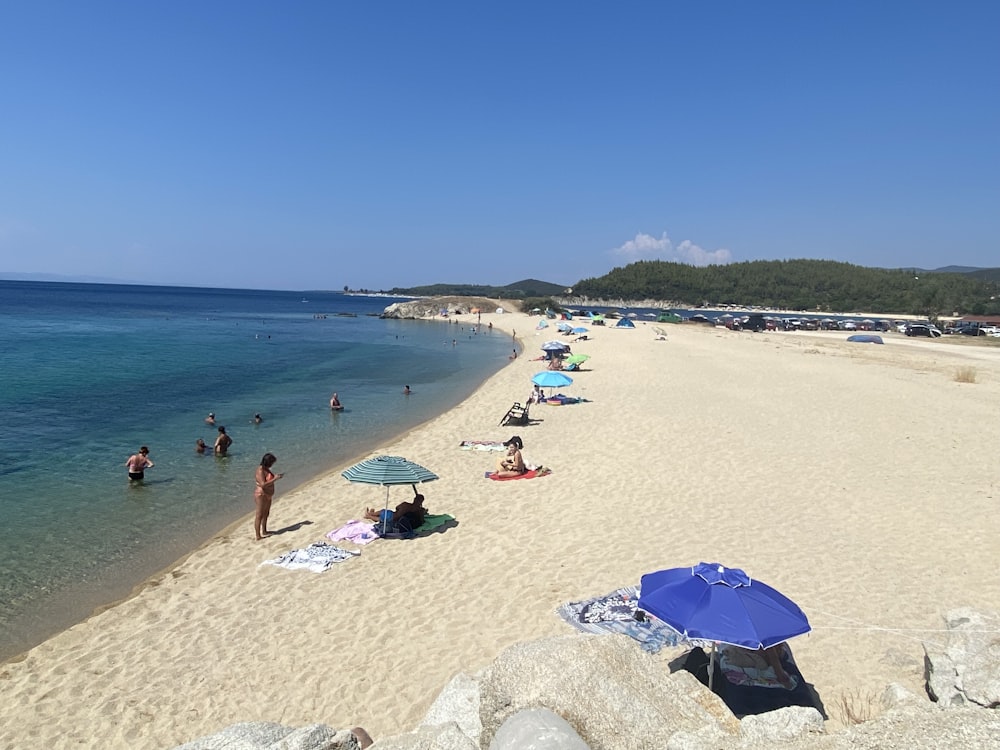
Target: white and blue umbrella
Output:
[
  {"x": 554, "y": 346},
  {"x": 552, "y": 379},
  {"x": 387, "y": 471}
]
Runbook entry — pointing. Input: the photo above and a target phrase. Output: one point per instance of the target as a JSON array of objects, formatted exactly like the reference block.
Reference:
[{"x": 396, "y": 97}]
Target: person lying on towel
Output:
[
  {"x": 511, "y": 465},
  {"x": 408, "y": 515}
]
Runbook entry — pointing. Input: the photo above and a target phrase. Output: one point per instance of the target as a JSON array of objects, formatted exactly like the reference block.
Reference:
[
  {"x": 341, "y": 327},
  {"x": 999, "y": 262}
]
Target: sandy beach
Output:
[{"x": 860, "y": 480}]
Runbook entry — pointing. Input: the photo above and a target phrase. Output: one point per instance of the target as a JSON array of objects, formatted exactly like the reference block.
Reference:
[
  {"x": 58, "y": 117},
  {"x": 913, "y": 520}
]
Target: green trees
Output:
[{"x": 820, "y": 285}]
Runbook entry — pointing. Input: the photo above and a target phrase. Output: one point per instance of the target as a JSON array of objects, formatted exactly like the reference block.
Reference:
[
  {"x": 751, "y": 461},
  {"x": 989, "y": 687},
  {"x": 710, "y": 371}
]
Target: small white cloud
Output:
[
  {"x": 688, "y": 252},
  {"x": 642, "y": 245},
  {"x": 661, "y": 248}
]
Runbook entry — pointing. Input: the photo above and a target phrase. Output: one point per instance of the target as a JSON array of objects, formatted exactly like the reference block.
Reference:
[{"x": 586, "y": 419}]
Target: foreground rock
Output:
[
  {"x": 967, "y": 669},
  {"x": 583, "y": 692}
]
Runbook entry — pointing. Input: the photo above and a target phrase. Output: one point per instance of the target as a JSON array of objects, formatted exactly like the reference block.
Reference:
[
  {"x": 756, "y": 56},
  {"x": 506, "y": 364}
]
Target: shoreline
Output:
[
  {"x": 831, "y": 505},
  {"x": 129, "y": 590}
]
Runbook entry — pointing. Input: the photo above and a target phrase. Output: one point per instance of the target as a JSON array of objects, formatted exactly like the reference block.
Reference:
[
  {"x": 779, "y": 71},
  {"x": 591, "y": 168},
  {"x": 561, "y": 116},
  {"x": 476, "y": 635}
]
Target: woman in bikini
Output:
[
  {"x": 511, "y": 465},
  {"x": 264, "y": 494}
]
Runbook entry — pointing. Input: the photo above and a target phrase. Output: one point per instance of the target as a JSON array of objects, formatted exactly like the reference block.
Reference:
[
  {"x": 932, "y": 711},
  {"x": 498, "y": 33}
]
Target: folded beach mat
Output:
[{"x": 531, "y": 474}]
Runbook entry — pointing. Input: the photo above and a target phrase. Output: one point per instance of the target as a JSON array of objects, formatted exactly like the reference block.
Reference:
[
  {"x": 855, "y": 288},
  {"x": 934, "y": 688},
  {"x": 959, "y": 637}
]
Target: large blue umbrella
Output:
[
  {"x": 387, "y": 471},
  {"x": 710, "y": 602},
  {"x": 552, "y": 379}
]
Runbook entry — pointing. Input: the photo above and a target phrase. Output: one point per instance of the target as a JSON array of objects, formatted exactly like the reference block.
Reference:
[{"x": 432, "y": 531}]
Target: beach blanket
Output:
[
  {"x": 530, "y": 474},
  {"x": 359, "y": 532},
  {"x": 432, "y": 522},
  {"x": 615, "y": 613},
  {"x": 482, "y": 445},
  {"x": 317, "y": 557},
  {"x": 746, "y": 671}
]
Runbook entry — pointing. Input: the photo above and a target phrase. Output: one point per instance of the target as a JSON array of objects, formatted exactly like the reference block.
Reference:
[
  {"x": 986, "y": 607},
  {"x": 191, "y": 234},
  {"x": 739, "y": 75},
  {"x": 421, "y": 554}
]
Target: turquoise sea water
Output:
[{"x": 89, "y": 372}]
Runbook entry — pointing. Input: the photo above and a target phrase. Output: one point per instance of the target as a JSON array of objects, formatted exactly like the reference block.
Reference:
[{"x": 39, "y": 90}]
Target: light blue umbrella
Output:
[
  {"x": 552, "y": 379},
  {"x": 387, "y": 471},
  {"x": 581, "y": 329}
]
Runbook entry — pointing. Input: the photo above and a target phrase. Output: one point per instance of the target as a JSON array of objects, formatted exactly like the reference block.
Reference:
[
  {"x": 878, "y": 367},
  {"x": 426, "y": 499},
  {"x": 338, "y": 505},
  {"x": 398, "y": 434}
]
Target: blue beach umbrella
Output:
[
  {"x": 581, "y": 329},
  {"x": 552, "y": 379},
  {"x": 388, "y": 471},
  {"x": 709, "y": 602}
]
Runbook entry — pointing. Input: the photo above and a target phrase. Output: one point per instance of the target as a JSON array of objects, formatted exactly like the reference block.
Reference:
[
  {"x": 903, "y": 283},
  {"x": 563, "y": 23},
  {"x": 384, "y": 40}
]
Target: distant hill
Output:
[
  {"x": 803, "y": 284},
  {"x": 517, "y": 290}
]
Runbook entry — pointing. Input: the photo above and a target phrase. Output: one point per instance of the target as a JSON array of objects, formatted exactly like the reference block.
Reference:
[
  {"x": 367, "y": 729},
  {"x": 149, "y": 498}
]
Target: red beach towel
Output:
[{"x": 526, "y": 475}]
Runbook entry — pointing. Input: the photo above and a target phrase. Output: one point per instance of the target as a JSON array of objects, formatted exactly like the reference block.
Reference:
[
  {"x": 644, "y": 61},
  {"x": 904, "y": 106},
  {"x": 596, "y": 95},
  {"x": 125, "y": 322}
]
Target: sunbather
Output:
[
  {"x": 410, "y": 513},
  {"x": 511, "y": 465}
]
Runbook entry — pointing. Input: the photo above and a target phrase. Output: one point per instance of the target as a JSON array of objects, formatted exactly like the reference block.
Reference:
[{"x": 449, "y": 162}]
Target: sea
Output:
[{"x": 90, "y": 372}]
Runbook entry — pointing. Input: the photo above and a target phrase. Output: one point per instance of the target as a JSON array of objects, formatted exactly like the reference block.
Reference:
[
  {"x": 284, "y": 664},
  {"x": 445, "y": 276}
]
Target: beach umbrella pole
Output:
[{"x": 711, "y": 665}]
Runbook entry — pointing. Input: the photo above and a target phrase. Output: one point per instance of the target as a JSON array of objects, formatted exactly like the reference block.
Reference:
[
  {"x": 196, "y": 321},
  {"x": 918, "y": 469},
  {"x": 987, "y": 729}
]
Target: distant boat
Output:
[{"x": 304, "y": 299}]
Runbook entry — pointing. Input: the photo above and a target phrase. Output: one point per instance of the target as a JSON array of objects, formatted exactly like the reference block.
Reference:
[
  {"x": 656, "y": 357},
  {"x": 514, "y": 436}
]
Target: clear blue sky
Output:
[{"x": 317, "y": 144}]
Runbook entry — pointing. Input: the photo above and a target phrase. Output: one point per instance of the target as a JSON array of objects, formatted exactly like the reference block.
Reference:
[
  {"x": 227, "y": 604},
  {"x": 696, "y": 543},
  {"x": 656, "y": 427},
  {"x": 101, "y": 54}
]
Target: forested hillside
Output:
[{"x": 820, "y": 285}]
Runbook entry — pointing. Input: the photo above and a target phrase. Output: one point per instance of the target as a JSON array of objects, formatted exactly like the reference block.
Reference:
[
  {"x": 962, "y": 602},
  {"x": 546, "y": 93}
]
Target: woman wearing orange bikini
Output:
[{"x": 264, "y": 494}]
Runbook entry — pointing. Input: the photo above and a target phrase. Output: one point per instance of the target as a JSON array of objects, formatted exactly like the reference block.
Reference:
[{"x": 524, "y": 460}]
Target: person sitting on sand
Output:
[
  {"x": 408, "y": 514},
  {"x": 761, "y": 659},
  {"x": 511, "y": 465}
]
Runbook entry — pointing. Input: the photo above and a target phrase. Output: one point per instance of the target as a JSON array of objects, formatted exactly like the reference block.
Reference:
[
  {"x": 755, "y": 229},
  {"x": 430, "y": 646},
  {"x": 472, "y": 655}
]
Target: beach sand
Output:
[{"x": 859, "y": 480}]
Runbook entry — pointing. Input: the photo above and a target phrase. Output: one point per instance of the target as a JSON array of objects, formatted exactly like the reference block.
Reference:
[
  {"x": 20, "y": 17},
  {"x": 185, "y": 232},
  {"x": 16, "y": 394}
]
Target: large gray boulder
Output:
[
  {"x": 782, "y": 725},
  {"x": 439, "y": 737},
  {"x": 266, "y": 735},
  {"x": 458, "y": 703},
  {"x": 967, "y": 669},
  {"x": 613, "y": 694},
  {"x": 536, "y": 729}
]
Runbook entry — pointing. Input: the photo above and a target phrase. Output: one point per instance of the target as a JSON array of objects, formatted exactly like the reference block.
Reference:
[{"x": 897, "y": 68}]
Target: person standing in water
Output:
[
  {"x": 263, "y": 494},
  {"x": 222, "y": 442},
  {"x": 137, "y": 464},
  {"x": 335, "y": 402}
]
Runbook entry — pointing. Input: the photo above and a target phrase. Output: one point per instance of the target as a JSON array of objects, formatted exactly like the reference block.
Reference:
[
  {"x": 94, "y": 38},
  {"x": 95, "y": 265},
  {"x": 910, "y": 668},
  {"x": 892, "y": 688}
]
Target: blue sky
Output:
[{"x": 313, "y": 145}]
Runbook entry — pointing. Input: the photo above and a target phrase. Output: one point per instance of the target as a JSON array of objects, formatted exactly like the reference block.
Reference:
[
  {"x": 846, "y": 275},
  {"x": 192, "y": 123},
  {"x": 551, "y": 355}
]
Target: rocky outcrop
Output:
[
  {"x": 591, "y": 692},
  {"x": 431, "y": 307},
  {"x": 266, "y": 735},
  {"x": 967, "y": 669}
]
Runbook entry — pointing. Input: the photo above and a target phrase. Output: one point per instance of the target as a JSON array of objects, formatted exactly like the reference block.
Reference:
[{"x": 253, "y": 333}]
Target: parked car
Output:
[{"x": 923, "y": 330}]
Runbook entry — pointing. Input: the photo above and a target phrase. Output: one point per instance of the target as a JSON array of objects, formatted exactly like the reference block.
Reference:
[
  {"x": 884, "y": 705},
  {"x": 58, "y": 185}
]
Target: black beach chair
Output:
[{"x": 516, "y": 415}]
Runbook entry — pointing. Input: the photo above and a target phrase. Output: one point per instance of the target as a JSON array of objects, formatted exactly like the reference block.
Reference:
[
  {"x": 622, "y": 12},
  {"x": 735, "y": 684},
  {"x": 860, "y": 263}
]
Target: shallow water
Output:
[{"x": 91, "y": 372}]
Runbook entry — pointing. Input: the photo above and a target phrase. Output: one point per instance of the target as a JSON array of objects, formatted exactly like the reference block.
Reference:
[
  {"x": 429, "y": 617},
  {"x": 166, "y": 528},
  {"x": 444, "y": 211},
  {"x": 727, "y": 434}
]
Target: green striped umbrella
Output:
[{"x": 387, "y": 471}]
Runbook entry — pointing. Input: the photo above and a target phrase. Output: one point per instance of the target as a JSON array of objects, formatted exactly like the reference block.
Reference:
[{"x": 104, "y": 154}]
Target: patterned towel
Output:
[
  {"x": 482, "y": 445},
  {"x": 317, "y": 557},
  {"x": 615, "y": 613}
]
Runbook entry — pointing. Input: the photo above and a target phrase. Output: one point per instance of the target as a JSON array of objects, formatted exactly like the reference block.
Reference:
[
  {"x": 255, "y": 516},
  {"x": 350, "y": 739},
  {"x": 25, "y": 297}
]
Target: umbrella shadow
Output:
[{"x": 743, "y": 700}]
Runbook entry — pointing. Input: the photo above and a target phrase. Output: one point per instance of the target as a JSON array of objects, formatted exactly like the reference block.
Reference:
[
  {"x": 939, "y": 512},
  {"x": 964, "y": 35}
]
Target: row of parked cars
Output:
[{"x": 973, "y": 329}]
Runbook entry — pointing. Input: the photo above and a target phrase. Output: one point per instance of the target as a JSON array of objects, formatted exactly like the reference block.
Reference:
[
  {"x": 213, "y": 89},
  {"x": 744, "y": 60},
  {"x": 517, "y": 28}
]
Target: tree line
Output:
[{"x": 820, "y": 285}]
